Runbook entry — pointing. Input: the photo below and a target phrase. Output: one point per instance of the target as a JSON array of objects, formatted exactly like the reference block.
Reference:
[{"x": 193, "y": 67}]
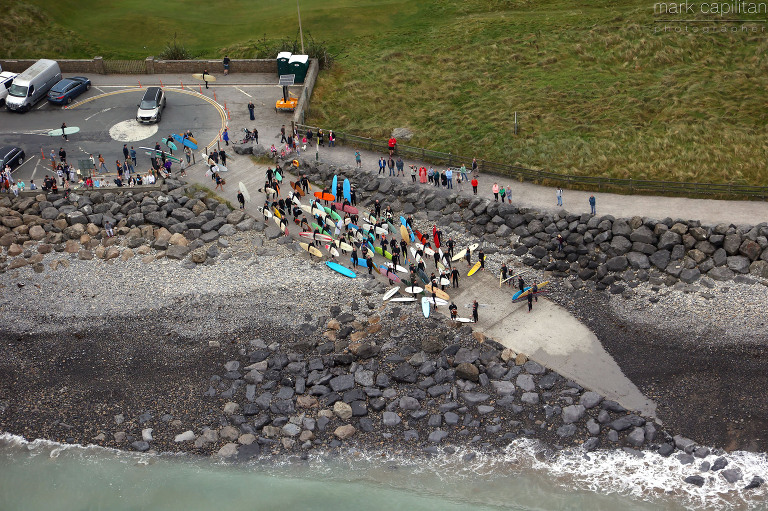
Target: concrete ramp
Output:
[{"x": 550, "y": 335}]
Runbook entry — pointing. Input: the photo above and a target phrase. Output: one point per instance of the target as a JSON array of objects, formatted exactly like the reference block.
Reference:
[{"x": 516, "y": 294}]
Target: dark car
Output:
[
  {"x": 68, "y": 89},
  {"x": 11, "y": 156}
]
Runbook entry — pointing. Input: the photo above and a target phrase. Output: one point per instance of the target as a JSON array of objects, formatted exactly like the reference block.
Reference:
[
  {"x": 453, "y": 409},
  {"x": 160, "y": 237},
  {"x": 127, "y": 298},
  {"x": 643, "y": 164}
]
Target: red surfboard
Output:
[{"x": 423, "y": 239}]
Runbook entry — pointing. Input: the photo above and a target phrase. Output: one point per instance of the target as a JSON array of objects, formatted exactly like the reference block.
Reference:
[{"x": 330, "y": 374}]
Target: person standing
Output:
[
  {"x": 455, "y": 277},
  {"x": 392, "y": 144},
  {"x": 382, "y": 165},
  {"x": 413, "y": 173},
  {"x": 474, "y": 310},
  {"x": 436, "y": 177},
  {"x": 126, "y": 152},
  {"x": 504, "y": 272},
  {"x": 225, "y": 136},
  {"x": 226, "y": 65},
  {"x": 481, "y": 258},
  {"x": 187, "y": 153},
  {"x": 559, "y": 195},
  {"x": 521, "y": 283},
  {"x": 62, "y": 155},
  {"x": 449, "y": 177},
  {"x": 358, "y": 160},
  {"x": 223, "y": 157},
  {"x": 474, "y": 185},
  {"x": 399, "y": 164},
  {"x": 205, "y": 79},
  {"x": 463, "y": 172},
  {"x": 560, "y": 242},
  {"x": 422, "y": 175},
  {"x": 502, "y": 193},
  {"x": 509, "y": 194},
  {"x": 251, "y": 109},
  {"x": 102, "y": 164},
  {"x": 474, "y": 166},
  {"x": 530, "y": 302},
  {"x": 391, "y": 165},
  {"x": 63, "y": 131},
  {"x": 241, "y": 199},
  {"x": 495, "y": 192},
  {"x": 331, "y": 139},
  {"x": 132, "y": 153},
  {"x": 592, "y": 204}
]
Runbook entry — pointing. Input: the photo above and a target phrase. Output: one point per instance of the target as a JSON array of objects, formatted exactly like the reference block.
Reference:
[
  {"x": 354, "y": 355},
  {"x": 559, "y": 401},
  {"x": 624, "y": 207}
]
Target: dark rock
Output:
[{"x": 695, "y": 480}]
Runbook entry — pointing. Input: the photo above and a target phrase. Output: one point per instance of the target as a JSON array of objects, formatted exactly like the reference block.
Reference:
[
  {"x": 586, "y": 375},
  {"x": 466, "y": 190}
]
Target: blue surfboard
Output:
[
  {"x": 362, "y": 262},
  {"x": 334, "y": 185},
  {"x": 347, "y": 190},
  {"x": 184, "y": 141},
  {"x": 402, "y": 221},
  {"x": 341, "y": 269}
]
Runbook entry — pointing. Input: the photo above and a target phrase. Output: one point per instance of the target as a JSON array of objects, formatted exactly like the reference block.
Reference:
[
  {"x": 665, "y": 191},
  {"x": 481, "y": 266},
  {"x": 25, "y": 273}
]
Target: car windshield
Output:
[
  {"x": 18, "y": 90},
  {"x": 148, "y": 104},
  {"x": 2, "y": 163}
]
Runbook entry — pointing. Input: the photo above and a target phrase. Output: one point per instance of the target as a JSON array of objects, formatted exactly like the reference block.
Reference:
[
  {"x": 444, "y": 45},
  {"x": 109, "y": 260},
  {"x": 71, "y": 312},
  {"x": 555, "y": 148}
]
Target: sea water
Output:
[{"x": 43, "y": 475}]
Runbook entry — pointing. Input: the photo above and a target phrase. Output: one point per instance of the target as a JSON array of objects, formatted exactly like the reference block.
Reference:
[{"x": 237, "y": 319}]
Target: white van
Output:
[{"x": 32, "y": 85}]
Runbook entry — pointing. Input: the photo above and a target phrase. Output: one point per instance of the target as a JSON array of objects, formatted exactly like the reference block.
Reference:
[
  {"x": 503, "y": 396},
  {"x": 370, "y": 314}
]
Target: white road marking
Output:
[
  {"x": 27, "y": 161},
  {"x": 241, "y": 90},
  {"x": 41, "y": 106},
  {"x": 98, "y": 89},
  {"x": 97, "y": 113}
]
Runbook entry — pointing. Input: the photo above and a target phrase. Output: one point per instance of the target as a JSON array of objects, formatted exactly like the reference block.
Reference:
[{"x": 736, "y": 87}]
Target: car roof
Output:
[
  {"x": 7, "y": 74},
  {"x": 7, "y": 149},
  {"x": 152, "y": 92}
]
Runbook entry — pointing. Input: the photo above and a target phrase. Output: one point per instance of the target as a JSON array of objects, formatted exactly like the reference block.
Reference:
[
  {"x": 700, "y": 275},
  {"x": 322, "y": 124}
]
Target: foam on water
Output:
[{"x": 527, "y": 475}]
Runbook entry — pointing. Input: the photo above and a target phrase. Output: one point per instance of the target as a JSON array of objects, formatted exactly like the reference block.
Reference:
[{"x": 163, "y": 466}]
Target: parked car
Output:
[
  {"x": 6, "y": 80},
  {"x": 68, "y": 89},
  {"x": 151, "y": 106},
  {"x": 11, "y": 156},
  {"x": 32, "y": 85}
]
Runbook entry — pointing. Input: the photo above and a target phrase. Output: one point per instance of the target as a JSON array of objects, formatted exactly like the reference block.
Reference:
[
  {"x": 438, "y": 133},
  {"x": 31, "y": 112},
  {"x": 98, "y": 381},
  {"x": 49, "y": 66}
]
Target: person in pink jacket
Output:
[{"x": 496, "y": 192}]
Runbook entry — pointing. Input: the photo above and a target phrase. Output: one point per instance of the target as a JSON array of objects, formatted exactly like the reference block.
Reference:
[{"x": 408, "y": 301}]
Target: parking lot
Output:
[{"x": 106, "y": 117}]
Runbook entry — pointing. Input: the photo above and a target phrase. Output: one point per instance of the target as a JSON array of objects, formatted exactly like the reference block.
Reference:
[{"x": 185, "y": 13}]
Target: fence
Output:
[
  {"x": 136, "y": 67},
  {"x": 544, "y": 177}
]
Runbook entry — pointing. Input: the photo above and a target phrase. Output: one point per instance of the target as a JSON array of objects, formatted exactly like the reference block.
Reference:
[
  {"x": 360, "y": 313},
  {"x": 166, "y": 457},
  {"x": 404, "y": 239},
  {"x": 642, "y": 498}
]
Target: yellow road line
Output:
[{"x": 219, "y": 108}]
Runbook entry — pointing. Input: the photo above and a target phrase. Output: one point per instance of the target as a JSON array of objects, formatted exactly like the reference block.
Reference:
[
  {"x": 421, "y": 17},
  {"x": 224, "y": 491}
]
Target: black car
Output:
[{"x": 12, "y": 156}]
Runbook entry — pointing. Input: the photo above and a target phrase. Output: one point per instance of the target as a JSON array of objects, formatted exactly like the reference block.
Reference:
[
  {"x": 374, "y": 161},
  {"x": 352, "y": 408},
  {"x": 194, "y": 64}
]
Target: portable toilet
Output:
[
  {"x": 283, "y": 68},
  {"x": 299, "y": 65}
]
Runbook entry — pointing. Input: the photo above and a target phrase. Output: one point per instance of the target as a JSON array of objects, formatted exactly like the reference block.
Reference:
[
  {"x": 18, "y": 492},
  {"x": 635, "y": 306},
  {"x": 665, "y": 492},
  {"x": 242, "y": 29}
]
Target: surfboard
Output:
[
  {"x": 335, "y": 215},
  {"x": 312, "y": 250},
  {"x": 350, "y": 209},
  {"x": 436, "y": 301},
  {"x": 265, "y": 212},
  {"x": 402, "y": 221},
  {"x": 332, "y": 250},
  {"x": 244, "y": 191},
  {"x": 152, "y": 154},
  {"x": 473, "y": 247},
  {"x": 335, "y": 184},
  {"x": 403, "y": 299},
  {"x": 158, "y": 154},
  {"x": 186, "y": 142},
  {"x": 463, "y": 320},
  {"x": 344, "y": 246},
  {"x": 347, "y": 191},
  {"x": 420, "y": 237},
  {"x": 444, "y": 282},
  {"x": 404, "y": 234},
  {"x": 325, "y": 196},
  {"x": 440, "y": 266},
  {"x": 169, "y": 143},
  {"x": 438, "y": 292},
  {"x": 389, "y": 294},
  {"x": 278, "y": 177},
  {"x": 208, "y": 77},
  {"x": 222, "y": 168},
  {"x": 69, "y": 130},
  {"x": 423, "y": 276},
  {"x": 388, "y": 273},
  {"x": 400, "y": 269},
  {"x": 414, "y": 290},
  {"x": 428, "y": 251},
  {"x": 474, "y": 269},
  {"x": 360, "y": 261},
  {"x": 340, "y": 269},
  {"x": 425, "y": 308},
  {"x": 297, "y": 188},
  {"x": 388, "y": 255},
  {"x": 437, "y": 239},
  {"x": 307, "y": 234},
  {"x": 378, "y": 250},
  {"x": 391, "y": 227},
  {"x": 460, "y": 254},
  {"x": 528, "y": 290},
  {"x": 295, "y": 199}
]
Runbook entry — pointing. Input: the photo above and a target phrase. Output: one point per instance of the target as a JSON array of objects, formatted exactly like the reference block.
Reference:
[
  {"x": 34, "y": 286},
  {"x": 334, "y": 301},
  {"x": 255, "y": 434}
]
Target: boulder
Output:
[
  {"x": 467, "y": 371},
  {"x": 344, "y": 432}
]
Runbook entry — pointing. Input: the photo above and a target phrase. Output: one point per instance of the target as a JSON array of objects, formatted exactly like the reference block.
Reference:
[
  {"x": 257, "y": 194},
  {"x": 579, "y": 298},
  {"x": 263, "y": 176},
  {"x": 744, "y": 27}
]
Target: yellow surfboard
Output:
[
  {"x": 474, "y": 269},
  {"x": 525, "y": 293},
  {"x": 438, "y": 292},
  {"x": 311, "y": 250},
  {"x": 404, "y": 234}
]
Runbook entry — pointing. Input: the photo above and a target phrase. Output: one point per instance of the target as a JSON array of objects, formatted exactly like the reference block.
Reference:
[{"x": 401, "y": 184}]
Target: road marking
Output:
[
  {"x": 215, "y": 104},
  {"x": 97, "y": 113},
  {"x": 241, "y": 90},
  {"x": 25, "y": 162},
  {"x": 98, "y": 89},
  {"x": 41, "y": 106}
]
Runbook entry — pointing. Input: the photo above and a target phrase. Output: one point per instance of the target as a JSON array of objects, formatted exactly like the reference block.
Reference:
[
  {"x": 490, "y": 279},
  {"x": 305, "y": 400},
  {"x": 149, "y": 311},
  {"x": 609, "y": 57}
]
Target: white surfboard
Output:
[
  {"x": 389, "y": 294},
  {"x": 403, "y": 299}
]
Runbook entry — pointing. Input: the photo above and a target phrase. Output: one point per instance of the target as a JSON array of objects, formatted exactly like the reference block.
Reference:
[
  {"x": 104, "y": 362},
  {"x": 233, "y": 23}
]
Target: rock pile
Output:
[{"x": 169, "y": 222}]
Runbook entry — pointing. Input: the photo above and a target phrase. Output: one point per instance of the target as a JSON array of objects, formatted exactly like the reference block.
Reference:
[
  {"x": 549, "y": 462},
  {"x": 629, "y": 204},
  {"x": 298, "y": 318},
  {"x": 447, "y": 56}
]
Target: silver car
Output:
[{"x": 151, "y": 106}]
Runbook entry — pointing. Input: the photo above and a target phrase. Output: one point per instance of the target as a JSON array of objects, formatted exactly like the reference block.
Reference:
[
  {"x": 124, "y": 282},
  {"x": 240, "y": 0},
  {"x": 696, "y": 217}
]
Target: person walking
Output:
[
  {"x": 495, "y": 189},
  {"x": 474, "y": 310},
  {"x": 132, "y": 154},
  {"x": 358, "y": 160},
  {"x": 241, "y": 199},
  {"x": 205, "y": 79},
  {"x": 530, "y": 302},
  {"x": 559, "y": 195},
  {"x": 449, "y": 178},
  {"x": 225, "y": 136},
  {"x": 102, "y": 165},
  {"x": 63, "y": 131},
  {"x": 592, "y": 204},
  {"x": 474, "y": 185},
  {"x": 226, "y": 65},
  {"x": 251, "y": 108},
  {"x": 255, "y": 136},
  {"x": 282, "y": 134}
]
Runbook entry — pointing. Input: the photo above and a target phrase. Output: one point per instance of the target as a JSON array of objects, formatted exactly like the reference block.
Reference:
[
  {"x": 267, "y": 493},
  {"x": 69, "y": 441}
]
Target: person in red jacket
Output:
[
  {"x": 392, "y": 144},
  {"x": 474, "y": 185}
]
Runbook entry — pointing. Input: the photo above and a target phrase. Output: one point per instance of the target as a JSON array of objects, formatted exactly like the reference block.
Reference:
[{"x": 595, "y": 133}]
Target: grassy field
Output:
[{"x": 597, "y": 91}]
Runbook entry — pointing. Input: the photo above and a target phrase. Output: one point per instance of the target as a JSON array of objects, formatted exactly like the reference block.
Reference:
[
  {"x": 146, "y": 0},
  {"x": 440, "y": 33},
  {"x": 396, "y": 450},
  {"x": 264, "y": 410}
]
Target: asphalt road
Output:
[{"x": 106, "y": 118}]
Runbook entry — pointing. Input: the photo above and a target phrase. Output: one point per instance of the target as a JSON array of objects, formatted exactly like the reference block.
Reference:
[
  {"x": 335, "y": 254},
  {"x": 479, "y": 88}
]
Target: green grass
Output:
[{"x": 596, "y": 90}]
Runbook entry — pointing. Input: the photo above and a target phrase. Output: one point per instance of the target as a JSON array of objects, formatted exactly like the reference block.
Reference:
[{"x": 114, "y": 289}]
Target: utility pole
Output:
[{"x": 301, "y": 33}]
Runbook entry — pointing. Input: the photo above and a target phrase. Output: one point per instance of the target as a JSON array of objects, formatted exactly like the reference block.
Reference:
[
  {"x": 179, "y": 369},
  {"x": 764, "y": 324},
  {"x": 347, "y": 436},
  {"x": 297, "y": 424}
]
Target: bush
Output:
[{"x": 176, "y": 51}]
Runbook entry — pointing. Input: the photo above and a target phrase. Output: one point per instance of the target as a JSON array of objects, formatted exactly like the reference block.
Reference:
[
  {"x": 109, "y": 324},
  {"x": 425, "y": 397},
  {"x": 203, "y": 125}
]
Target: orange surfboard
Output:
[{"x": 325, "y": 196}]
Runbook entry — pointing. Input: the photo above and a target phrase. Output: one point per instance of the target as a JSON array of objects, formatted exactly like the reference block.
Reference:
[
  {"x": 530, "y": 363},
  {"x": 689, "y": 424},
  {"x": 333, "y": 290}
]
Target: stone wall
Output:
[
  {"x": 84, "y": 66},
  {"x": 150, "y": 65},
  {"x": 601, "y": 251}
]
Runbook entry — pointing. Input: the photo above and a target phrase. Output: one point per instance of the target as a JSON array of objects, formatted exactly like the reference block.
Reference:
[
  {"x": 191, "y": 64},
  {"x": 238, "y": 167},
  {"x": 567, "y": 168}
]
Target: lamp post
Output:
[{"x": 301, "y": 33}]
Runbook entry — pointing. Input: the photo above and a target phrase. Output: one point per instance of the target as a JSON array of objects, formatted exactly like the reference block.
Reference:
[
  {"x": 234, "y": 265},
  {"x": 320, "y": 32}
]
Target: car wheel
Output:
[
  {"x": 20, "y": 161},
  {"x": 69, "y": 100},
  {"x": 87, "y": 86}
]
